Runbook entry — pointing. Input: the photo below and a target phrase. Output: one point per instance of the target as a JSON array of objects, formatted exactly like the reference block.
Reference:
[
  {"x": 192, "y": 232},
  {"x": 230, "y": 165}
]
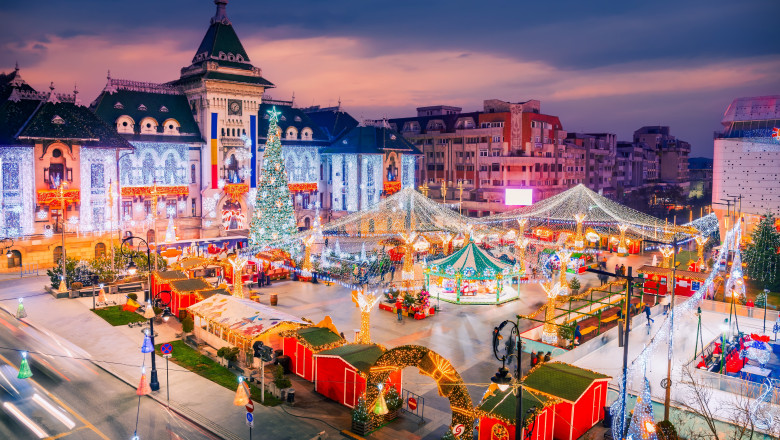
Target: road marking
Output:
[
  {"x": 65, "y": 434},
  {"x": 59, "y": 402}
]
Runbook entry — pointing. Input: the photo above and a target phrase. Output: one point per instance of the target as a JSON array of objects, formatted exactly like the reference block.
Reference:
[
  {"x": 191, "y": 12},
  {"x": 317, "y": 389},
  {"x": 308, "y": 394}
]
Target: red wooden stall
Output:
[
  {"x": 656, "y": 280},
  {"x": 302, "y": 344},
  {"x": 161, "y": 280},
  {"x": 248, "y": 273},
  {"x": 340, "y": 373},
  {"x": 496, "y": 413},
  {"x": 185, "y": 293},
  {"x": 582, "y": 394}
]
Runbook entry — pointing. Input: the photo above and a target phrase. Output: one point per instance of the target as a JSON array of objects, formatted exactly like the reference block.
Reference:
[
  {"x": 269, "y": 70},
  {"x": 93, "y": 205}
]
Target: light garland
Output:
[
  {"x": 687, "y": 308},
  {"x": 298, "y": 187},
  {"x": 146, "y": 191},
  {"x": 18, "y": 189},
  {"x": 163, "y": 162}
]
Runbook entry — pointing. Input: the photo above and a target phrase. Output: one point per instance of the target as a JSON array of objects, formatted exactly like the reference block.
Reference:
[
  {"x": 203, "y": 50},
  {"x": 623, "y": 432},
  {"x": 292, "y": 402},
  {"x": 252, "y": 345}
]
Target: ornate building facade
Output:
[{"x": 185, "y": 153}]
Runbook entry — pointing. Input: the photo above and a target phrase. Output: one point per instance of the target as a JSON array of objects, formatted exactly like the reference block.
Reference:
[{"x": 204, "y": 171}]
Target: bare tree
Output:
[{"x": 744, "y": 413}]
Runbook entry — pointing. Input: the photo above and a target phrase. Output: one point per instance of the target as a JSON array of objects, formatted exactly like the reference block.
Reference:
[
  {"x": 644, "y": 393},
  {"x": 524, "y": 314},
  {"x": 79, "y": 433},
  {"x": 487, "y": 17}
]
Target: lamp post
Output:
[
  {"x": 724, "y": 329},
  {"x": 132, "y": 269},
  {"x": 502, "y": 377},
  {"x": 155, "y": 301},
  {"x": 64, "y": 208},
  {"x": 627, "y": 314}
]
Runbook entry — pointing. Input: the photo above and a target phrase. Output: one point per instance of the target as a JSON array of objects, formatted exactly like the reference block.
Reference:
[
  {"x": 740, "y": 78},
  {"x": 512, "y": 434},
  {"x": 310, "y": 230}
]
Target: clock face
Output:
[{"x": 234, "y": 107}]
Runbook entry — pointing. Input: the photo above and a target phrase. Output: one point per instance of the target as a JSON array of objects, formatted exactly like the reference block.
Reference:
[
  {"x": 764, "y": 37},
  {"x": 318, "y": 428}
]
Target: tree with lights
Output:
[
  {"x": 642, "y": 424},
  {"x": 762, "y": 257},
  {"x": 273, "y": 218}
]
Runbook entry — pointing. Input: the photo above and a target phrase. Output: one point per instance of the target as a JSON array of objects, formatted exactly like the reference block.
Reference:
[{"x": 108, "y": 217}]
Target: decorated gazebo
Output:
[{"x": 472, "y": 275}]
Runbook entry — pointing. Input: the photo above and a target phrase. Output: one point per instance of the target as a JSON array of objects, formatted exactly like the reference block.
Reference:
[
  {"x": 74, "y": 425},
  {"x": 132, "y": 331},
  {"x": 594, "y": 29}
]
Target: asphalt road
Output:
[{"x": 75, "y": 399}]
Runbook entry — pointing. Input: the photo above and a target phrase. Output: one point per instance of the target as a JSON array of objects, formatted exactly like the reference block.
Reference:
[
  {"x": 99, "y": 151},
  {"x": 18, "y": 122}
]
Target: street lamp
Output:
[
  {"x": 132, "y": 269},
  {"x": 503, "y": 379},
  {"x": 724, "y": 330}
]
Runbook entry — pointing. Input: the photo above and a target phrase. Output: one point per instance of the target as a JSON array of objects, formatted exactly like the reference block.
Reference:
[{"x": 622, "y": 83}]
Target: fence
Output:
[
  {"x": 740, "y": 310},
  {"x": 25, "y": 270}
]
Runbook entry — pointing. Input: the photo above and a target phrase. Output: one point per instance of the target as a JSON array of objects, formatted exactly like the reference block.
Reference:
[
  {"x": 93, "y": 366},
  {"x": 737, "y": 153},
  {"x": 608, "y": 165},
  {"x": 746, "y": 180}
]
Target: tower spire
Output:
[{"x": 221, "y": 15}]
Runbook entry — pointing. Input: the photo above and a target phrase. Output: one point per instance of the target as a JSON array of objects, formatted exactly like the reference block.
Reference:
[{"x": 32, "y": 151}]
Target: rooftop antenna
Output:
[
  {"x": 292, "y": 101},
  {"x": 339, "y": 105},
  {"x": 16, "y": 68}
]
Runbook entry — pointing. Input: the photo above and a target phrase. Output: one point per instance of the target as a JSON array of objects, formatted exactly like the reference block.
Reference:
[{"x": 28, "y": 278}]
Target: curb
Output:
[
  {"x": 184, "y": 412},
  {"x": 352, "y": 435},
  {"x": 191, "y": 416}
]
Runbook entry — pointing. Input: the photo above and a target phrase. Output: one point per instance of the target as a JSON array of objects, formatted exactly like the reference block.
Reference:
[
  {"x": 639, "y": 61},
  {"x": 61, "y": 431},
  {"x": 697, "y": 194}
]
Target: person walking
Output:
[
  {"x": 665, "y": 301},
  {"x": 548, "y": 356},
  {"x": 617, "y": 268},
  {"x": 623, "y": 269},
  {"x": 647, "y": 313},
  {"x": 392, "y": 271},
  {"x": 398, "y": 307},
  {"x": 534, "y": 358}
]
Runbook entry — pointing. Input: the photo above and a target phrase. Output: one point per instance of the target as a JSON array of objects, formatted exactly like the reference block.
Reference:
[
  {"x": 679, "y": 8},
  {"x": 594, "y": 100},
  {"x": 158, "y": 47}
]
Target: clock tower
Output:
[{"x": 225, "y": 91}]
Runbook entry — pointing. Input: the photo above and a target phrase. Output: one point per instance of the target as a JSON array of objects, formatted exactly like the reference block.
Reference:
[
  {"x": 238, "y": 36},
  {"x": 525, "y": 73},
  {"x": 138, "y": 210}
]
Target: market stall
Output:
[
  {"x": 161, "y": 280},
  {"x": 274, "y": 263},
  {"x": 657, "y": 279},
  {"x": 223, "y": 320},
  {"x": 303, "y": 343},
  {"x": 581, "y": 396},
  {"x": 340, "y": 373},
  {"x": 497, "y": 414},
  {"x": 472, "y": 275},
  {"x": 187, "y": 292}
]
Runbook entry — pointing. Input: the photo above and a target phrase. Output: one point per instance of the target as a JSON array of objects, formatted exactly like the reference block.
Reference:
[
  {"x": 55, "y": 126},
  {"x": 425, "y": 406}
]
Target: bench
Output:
[
  {"x": 610, "y": 319},
  {"x": 129, "y": 287},
  {"x": 587, "y": 330}
]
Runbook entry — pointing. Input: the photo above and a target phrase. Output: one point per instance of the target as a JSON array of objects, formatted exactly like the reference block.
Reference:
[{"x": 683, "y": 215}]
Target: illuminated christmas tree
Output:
[
  {"x": 274, "y": 218},
  {"x": 761, "y": 256},
  {"x": 642, "y": 424}
]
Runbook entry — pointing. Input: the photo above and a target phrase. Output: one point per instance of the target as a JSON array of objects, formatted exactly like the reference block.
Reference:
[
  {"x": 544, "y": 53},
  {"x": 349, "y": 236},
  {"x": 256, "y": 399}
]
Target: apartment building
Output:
[
  {"x": 672, "y": 155},
  {"x": 599, "y": 159},
  {"x": 476, "y": 156}
]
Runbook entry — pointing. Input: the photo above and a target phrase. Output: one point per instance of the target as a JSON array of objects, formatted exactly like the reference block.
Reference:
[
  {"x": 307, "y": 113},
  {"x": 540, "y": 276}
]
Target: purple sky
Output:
[{"x": 602, "y": 66}]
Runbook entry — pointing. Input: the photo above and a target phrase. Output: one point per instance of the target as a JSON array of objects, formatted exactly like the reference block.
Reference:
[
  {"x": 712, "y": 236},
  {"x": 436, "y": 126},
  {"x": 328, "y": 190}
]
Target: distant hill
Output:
[{"x": 699, "y": 163}]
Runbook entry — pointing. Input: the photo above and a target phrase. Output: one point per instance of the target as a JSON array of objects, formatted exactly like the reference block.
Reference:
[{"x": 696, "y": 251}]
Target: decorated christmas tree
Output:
[
  {"x": 273, "y": 218},
  {"x": 762, "y": 257}
]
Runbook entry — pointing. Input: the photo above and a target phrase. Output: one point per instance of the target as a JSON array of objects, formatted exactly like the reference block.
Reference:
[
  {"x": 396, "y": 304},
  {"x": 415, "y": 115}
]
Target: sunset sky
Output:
[{"x": 602, "y": 66}]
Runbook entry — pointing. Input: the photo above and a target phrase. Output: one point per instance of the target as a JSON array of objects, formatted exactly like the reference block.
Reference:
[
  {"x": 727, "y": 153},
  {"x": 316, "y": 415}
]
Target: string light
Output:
[{"x": 16, "y": 176}]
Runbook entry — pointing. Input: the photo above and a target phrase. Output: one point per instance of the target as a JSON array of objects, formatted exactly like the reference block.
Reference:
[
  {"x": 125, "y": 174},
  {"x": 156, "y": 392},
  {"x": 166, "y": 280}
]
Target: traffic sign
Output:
[
  {"x": 250, "y": 420},
  {"x": 250, "y": 407},
  {"x": 412, "y": 403},
  {"x": 166, "y": 348}
]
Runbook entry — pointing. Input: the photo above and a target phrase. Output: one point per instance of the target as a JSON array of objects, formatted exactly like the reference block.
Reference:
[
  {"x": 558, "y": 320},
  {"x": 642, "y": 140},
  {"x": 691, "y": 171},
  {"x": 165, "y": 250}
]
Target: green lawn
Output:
[
  {"x": 187, "y": 357},
  {"x": 114, "y": 315}
]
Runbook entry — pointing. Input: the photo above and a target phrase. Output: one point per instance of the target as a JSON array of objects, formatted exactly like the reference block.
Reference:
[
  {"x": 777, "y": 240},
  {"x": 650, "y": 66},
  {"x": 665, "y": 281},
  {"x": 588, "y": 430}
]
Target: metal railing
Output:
[{"x": 25, "y": 270}]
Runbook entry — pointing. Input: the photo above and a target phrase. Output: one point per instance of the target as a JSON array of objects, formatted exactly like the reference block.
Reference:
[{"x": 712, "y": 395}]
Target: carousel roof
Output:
[
  {"x": 248, "y": 318},
  {"x": 601, "y": 214},
  {"x": 470, "y": 257}
]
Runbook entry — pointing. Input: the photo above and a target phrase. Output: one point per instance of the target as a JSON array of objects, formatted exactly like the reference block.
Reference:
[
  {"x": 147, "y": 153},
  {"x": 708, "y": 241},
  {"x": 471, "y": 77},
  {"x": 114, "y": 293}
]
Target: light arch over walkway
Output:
[{"x": 433, "y": 365}]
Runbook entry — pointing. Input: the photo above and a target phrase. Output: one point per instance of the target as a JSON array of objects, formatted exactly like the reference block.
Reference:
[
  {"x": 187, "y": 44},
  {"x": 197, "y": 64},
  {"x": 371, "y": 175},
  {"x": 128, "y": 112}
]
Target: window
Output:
[
  {"x": 495, "y": 153},
  {"x": 127, "y": 210},
  {"x": 496, "y": 167},
  {"x": 483, "y": 167},
  {"x": 484, "y": 181},
  {"x": 100, "y": 250},
  {"x": 148, "y": 207},
  {"x": 193, "y": 175},
  {"x": 194, "y": 210},
  {"x": 483, "y": 153},
  {"x": 459, "y": 168},
  {"x": 496, "y": 138},
  {"x": 442, "y": 141},
  {"x": 472, "y": 140},
  {"x": 522, "y": 168}
]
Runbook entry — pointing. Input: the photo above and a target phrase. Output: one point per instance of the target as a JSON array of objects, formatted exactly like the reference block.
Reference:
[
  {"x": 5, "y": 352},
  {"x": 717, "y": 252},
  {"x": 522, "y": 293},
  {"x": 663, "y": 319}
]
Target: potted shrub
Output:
[
  {"x": 665, "y": 430},
  {"x": 361, "y": 419},
  {"x": 280, "y": 381},
  {"x": 187, "y": 325},
  {"x": 394, "y": 403},
  {"x": 574, "y": 285},
  {"x": 566, "y": 333}
]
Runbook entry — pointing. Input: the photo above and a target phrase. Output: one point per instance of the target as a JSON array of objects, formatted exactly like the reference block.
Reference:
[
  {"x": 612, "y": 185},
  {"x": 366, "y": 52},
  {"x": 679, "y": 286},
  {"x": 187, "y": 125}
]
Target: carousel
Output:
[{"x": 472, "y": 276}]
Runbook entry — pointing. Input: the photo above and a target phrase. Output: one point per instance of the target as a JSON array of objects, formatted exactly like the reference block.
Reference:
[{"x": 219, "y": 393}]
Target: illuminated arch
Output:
[{"x": 433, "y": 365}]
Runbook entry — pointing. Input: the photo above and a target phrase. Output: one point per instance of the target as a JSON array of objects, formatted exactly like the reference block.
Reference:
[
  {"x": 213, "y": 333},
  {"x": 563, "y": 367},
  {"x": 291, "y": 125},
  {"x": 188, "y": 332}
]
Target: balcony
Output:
[
  {"x": 53, "y": 175},
  {"x": 229, "y": 141}
]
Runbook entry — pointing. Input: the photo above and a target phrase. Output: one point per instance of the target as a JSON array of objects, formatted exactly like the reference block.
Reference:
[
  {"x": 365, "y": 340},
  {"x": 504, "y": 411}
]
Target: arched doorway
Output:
[
  {"x": 307, "y": 223},
  {"x": 100, "y": 250},
  {"x": 150, "y": 236},
  {"x": 431, "y": 364},
  {"x": 57, "y": 255},
  {"x": 14, "y": 259}
]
